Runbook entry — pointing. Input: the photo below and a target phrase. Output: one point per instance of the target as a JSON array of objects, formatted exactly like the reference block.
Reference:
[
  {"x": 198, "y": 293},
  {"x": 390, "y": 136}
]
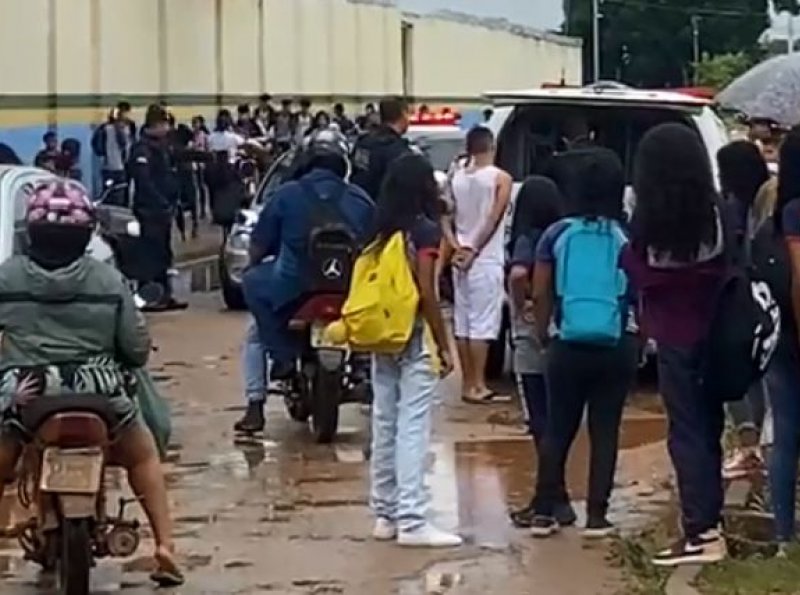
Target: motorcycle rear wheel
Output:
[
  {"x": 327, "y": 389},
  {"x": 75, "y": 562}
]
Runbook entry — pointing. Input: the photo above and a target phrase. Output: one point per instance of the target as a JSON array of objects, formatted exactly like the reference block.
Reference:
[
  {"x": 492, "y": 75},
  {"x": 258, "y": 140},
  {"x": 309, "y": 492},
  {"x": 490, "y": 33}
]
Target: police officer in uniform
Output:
[
  {"x": 374, "y": 151},
  {"x": 155, "y": 198}
]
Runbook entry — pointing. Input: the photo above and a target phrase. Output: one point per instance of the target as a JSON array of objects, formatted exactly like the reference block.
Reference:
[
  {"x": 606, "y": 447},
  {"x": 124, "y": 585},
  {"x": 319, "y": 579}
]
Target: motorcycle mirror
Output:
[{"x": 150, "y": 294}]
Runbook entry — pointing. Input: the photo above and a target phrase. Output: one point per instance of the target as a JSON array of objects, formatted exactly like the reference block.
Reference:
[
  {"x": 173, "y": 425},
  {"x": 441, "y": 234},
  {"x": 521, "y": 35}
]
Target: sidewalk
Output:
[{"x": 207, "y": 243}]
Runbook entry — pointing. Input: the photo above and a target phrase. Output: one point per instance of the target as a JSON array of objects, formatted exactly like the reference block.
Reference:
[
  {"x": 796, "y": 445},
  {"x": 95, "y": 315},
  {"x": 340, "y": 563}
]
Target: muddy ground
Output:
[{"x": 285, "y": 516}]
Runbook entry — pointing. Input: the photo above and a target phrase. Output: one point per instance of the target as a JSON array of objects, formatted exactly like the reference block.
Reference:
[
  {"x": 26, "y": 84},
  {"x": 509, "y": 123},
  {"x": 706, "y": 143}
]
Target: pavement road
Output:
[{"x": 286, "y": 516}]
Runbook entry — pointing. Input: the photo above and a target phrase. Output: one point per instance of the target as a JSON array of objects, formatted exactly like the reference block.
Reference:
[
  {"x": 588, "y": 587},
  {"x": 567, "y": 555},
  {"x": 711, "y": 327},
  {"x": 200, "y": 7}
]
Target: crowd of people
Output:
[
  {"x": 588, "y": 282},
  {"x": 168, "y": 171}
]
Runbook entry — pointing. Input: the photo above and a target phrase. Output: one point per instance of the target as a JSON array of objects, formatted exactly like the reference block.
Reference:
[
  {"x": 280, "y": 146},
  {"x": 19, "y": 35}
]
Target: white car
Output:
[
  {"x": 530, "y": 124},
  {"x": 441, "y": 144},
  {"x": 16, "y": 184}
]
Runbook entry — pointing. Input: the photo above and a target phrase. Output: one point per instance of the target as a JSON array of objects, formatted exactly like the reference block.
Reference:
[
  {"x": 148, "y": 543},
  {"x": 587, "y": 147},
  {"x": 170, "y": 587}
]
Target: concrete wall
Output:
[
  {"x": 64, "y": 62},
  {"x": 459, "y": 59},
  {"x": 206, "y": 48}
]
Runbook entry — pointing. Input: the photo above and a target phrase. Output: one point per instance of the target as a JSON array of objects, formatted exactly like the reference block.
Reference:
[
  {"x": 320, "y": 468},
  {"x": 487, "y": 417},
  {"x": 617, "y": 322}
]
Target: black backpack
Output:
[
  {"x": 771, "y": 264},
  {"x": 744, "y": 330},
  {"x": 99, "y": 141},
  {"x": 332, "y": 244}
]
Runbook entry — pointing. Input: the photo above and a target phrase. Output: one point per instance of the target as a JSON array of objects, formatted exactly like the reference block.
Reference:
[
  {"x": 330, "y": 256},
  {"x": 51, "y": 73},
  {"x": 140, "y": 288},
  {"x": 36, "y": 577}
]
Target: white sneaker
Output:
[
  {"x": 384, "y": 530},
  {"x": 428, "y": 536}
]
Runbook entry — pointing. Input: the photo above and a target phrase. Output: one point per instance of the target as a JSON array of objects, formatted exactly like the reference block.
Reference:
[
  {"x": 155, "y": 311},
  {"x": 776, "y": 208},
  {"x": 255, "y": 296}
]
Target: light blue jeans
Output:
[
  {"x": 404, "y": 389},
  {"x": 254, "y": 365}
]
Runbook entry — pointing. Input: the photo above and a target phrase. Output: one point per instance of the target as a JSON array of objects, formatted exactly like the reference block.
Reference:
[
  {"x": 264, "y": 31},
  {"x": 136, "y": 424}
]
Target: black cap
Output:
[{"x": 156, "y": 114}]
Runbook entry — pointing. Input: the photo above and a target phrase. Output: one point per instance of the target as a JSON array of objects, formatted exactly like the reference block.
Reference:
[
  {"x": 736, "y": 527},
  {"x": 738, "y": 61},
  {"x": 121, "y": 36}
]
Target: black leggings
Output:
[{"x": 579, "y": 376}]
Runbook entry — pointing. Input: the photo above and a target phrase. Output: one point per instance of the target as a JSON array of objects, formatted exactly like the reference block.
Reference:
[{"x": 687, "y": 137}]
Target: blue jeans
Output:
[
  {"x": 403, "y": 392},
  {"x": 283, "y": 345},
  {"x": 254, "y": 365},
  {"x": 783, "y": 385}
]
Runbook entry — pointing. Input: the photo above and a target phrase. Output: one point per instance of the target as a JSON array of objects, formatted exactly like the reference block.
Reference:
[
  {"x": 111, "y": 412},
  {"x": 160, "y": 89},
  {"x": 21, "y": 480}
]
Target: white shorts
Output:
[{"x": 479, "y": 296}]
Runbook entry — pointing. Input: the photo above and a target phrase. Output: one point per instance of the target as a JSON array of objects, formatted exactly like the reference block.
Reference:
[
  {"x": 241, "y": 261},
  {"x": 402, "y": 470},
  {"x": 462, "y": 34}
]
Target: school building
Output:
[{"x": 63, "y": 63}]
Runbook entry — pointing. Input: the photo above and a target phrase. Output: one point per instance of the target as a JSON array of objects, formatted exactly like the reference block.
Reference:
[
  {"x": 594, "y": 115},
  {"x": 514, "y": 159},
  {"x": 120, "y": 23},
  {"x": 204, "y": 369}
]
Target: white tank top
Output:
[{"x": 473, "y": 196}]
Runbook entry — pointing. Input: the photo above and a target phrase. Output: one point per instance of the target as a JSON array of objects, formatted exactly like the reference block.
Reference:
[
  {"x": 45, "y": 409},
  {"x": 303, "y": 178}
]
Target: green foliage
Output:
[
  {"x": 650, "y": 43},
  {"x": 719, "y": 71},
  {"x": 753, "y": 576}
]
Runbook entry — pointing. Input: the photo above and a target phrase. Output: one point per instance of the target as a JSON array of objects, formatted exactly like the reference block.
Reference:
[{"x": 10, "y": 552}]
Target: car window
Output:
[
  {"x": 441, "y": 152},
  {"x": 276, "y": 176},
  {"x": 533, "y": 134}
]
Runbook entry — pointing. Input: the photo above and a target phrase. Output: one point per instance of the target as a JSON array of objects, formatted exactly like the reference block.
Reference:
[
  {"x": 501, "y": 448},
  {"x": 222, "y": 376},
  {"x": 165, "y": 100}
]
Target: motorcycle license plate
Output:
[
  {"x": 318, "y": 340},
  {"x": 74, "y": 471}
]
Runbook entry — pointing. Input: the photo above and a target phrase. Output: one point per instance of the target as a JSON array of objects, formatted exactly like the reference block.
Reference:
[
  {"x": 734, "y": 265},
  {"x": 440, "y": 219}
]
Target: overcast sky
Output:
[{"x": 542, "y": 14}]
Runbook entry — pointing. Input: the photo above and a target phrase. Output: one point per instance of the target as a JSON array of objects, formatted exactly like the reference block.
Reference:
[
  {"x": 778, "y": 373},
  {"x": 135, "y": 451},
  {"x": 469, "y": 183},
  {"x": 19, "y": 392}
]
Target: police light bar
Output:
[{"x": 444, "y": 118}]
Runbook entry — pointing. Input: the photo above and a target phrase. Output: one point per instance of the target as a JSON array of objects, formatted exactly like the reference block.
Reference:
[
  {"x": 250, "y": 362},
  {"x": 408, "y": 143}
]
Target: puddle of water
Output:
[
  {"x": 473, "y": 484},
  {"x": 451, "y": 577}
]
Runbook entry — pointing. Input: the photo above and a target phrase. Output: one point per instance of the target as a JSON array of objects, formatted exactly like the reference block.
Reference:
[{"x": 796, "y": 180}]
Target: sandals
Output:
[
  {"x": 488, "y": 398},
  {"x": 167, "y": 575},
  {"x": 166, "y": 579}
]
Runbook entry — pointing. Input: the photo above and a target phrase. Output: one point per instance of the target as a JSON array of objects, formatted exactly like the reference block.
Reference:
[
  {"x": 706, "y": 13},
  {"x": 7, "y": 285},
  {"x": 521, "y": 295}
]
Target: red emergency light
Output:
[{"x": 444, "y": 118}]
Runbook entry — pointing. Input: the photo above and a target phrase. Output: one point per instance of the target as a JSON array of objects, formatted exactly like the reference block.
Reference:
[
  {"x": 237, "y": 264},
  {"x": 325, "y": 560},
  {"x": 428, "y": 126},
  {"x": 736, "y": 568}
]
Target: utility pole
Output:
[
  {"x": 790, "y": 33},
  {"x": 696, "y": 43},
  {"x": 596, "y": 38}
]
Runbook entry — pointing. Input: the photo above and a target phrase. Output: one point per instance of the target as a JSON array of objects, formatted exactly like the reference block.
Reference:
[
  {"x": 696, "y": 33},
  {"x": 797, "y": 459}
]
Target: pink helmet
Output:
[{"x": 63, "y": 202}]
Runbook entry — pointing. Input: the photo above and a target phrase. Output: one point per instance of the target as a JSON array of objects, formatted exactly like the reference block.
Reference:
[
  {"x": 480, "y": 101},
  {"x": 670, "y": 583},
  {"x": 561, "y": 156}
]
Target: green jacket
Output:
[{"x": 69, "y": 315}]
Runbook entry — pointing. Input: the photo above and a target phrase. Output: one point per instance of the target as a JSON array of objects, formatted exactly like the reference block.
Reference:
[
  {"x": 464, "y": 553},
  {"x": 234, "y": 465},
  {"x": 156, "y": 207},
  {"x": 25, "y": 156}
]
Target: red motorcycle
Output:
[
  {"x": 62, "y": 484},
  {"x": 326, "y": 375}
]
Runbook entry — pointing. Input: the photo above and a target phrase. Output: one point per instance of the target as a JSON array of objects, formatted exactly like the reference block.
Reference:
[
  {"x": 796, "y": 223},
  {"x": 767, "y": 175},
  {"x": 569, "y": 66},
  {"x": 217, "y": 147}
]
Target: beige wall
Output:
[
  {"x": 129, "y": 46},
  {"x": 191, "y": 46},
  {"x": 339, "y": 48},
  {"x": 289, "y": 47},
  {"x": 457, "y": 59},
  {"x": 23, "y": 62}
]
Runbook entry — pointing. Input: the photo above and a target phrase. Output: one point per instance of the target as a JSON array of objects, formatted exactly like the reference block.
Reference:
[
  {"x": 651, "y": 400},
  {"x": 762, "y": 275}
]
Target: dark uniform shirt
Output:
[
  {"x": 155, "y": 186},
  {"x": 372, "y": 155}
]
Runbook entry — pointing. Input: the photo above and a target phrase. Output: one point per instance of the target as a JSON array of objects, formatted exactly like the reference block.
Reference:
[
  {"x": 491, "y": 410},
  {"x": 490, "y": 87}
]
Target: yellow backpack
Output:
[{"x": 381, "y": 308}]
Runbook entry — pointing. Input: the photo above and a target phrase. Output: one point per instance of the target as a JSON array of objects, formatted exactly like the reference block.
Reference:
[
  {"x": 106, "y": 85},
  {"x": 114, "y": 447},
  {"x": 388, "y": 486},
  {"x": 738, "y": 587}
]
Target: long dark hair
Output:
[
  {"x": 675, "y": 210},
  {"x": 788, "y": 175},
  {"x": 742, "y": 171},
  {"x": 224, "y": 121},
  {"x": 8, "y": 156},
  {"x": 409, "y": 192},
  {"x": 538, "y": 205},
  {"x": 598, "y": 185}
]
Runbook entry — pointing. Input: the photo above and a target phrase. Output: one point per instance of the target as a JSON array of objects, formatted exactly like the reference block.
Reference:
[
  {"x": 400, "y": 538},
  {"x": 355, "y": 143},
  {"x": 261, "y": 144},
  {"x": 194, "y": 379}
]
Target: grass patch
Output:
[
  {"x": 633, "y": 556},
  {"x": 756, "y": 575}
]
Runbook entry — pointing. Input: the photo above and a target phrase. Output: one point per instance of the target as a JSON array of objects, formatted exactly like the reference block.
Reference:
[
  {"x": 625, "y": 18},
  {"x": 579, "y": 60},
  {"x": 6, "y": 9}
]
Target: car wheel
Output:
[{"x": 231, "y": 292}]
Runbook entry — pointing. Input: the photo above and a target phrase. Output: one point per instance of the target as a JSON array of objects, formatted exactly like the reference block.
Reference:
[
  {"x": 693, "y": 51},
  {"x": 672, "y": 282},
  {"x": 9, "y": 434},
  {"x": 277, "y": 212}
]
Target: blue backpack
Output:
[{"x": 590, "y": 287}]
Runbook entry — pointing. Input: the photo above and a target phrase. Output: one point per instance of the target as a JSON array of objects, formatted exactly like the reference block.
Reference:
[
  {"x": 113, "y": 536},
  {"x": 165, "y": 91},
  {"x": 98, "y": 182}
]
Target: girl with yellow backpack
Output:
[{"x": 392, "y": 311}]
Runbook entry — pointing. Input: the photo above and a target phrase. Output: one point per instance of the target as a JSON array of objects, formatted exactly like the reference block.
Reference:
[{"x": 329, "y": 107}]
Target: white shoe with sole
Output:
[
  {"x": 428, "y": 536},
  {"x": 707, "y": 548},
  {"x": 384, "y": 530}
]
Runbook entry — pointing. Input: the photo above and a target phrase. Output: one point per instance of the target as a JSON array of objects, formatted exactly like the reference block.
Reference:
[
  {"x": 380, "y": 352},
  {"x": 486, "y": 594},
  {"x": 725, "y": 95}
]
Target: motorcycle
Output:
[
  {"x": 326, "y": 376},
  {"x": 62, "y": 483}
]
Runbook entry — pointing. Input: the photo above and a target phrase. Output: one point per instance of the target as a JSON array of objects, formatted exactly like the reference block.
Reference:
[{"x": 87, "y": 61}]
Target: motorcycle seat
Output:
[{"x": 34, "y": 414}]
